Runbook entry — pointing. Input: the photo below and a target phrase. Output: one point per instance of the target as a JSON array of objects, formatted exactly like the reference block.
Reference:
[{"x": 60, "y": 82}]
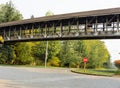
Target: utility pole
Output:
[
  {"x": 49, "y": 13},
  {"x": 46, "y": 55}
]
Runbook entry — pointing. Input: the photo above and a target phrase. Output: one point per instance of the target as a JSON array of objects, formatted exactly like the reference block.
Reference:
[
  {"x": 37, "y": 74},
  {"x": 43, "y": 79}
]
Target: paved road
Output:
[{"x": 21, "y": 77}]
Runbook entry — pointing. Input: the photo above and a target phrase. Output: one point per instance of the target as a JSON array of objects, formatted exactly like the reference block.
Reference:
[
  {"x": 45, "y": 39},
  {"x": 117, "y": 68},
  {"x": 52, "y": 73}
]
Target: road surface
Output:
[{"x": 26, "y": 77}]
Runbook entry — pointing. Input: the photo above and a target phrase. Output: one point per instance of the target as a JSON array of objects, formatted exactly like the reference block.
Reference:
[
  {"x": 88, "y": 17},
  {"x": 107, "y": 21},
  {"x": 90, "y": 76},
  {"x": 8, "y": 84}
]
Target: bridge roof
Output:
[{"x": 101, "y": 12}]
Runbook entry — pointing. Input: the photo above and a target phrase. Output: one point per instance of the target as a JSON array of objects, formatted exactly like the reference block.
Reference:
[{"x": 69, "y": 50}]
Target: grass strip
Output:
[{"x": 108, "y": 73}]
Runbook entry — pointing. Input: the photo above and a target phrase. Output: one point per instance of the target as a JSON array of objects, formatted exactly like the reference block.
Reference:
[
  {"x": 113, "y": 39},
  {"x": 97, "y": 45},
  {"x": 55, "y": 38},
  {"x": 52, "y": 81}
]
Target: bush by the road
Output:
[
  {"x": 117, "y": 63},
  {"x": 54, "y": 62},
  {"x": 117, "y": 72}
]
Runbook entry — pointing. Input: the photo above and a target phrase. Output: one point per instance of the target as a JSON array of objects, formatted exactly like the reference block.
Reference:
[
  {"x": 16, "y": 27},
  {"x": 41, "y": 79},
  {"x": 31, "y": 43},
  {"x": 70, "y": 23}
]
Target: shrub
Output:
[
  {"x": 54, "y": 62},
  {"x": 117, "y": 63},
  {"x": 117, "y": 72}
]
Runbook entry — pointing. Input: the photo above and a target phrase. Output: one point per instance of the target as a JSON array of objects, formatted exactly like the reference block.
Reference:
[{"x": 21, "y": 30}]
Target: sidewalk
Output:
[{"x": 9, "y": 84}]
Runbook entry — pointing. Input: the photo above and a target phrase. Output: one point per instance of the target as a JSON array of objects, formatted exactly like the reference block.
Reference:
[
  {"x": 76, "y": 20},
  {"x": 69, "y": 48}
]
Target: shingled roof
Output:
[{"x": 64, "y": 16}]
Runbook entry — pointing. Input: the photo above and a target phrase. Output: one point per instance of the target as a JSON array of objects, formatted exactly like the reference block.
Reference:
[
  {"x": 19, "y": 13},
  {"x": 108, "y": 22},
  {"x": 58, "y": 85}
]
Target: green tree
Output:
[
  {"x": 6, "y": 54},
  {"x": 80, "y": 51},
  {"x": 8, "y": 13},
  {"x": 49, "y": 13},
  {"x": 73, "y": 52},
  {"x": 23, "y": 53},
  {"x": 39, "y": 50},
  {"x": 68, "y": 56},
  {"x": 96, "y": 52},
  {"x": 32, "y": 17}
]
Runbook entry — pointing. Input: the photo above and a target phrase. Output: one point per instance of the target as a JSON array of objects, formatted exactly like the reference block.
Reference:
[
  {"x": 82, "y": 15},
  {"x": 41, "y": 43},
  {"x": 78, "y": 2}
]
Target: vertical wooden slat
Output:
[
  {"x": 77, "y": 25},
  {"x": 86, "y": 26},
  {"x": 46, "y": 30},
  {"x": 4, "y": 33},
  {"x": 69, "y": 27},
  {"x": 118, "y": 21},
  {"x": 96, "y": 24},
  {"x": 20, "y": 32},
  {"x": 106, "y": 24},
  {"x": 54, "y": 28},
  {"x": 9, "y": 33},
  {"x": 61, "y": 29}
]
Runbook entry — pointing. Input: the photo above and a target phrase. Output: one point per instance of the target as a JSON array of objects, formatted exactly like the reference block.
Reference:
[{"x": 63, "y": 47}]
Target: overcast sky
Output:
[{"x": 40, "y": 7}]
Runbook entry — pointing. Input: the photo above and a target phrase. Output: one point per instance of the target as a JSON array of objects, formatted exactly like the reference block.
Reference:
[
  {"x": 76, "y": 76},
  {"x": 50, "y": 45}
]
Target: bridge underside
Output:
[{"x": 103, "y": 26}]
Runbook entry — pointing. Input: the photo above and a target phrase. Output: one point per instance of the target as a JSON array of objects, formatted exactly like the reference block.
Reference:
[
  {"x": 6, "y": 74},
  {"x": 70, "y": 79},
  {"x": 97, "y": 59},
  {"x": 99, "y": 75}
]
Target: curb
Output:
[{"x": 91, "y": 74}]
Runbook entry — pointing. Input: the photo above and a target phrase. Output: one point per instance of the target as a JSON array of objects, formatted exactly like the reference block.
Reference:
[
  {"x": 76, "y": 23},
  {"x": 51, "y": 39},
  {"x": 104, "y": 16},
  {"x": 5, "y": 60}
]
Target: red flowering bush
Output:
[{"x": 117, "y": 63}]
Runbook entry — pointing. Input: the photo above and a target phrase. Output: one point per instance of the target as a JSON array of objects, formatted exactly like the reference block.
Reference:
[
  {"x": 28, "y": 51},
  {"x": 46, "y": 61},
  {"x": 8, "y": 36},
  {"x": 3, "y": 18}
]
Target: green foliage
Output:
[
  {"x": 53, "y": 48},
  {"x": 73, "y": 52},
  {"x": 117, "y": 63},
  {"x": 23, "y": 53},
  {"x": 96, "y": 53},
  {"x": 68, "y": 55},
  {"x": 32, "y": 17},
  {"x": 54, "y": 61},
  {"x": 6, "y": 54},
  {"x": 49, "y": 13},
  {"x": 9, "y": 13},
  {"x": 117, "y": 72},
  {"x": 39, "y": 50}
]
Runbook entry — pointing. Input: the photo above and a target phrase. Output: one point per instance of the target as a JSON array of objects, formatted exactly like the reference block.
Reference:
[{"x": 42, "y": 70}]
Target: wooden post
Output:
[
  {"x": 84, "y": 66},
  {"x": 85, "y": 60}
]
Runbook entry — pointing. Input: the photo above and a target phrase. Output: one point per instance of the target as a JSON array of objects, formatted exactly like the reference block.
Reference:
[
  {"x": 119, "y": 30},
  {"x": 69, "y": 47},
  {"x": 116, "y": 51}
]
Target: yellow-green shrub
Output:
[{"x": 54, "y": 61}]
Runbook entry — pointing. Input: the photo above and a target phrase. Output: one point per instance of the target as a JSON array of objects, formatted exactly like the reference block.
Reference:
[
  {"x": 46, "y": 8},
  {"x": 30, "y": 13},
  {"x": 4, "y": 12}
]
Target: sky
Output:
[{"x": 38, "y": 8}]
